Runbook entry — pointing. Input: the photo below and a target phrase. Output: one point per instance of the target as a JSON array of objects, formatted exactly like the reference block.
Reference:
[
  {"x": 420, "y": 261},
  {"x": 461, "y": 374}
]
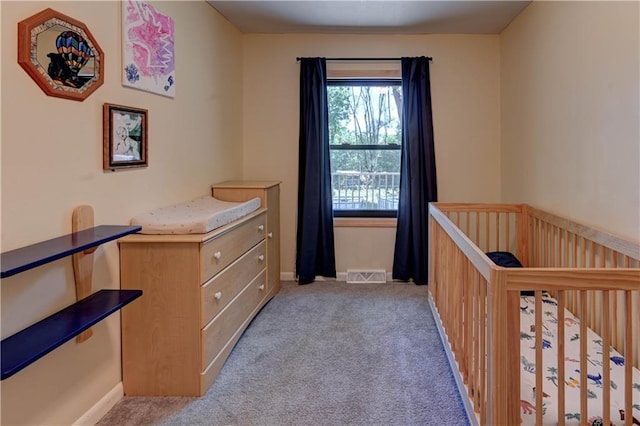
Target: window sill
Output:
[{"x": 364, "y": 222}]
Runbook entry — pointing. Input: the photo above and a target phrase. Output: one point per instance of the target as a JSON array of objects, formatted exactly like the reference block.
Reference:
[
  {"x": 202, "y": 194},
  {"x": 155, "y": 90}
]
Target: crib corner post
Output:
[{"x": 497, "y": 351}]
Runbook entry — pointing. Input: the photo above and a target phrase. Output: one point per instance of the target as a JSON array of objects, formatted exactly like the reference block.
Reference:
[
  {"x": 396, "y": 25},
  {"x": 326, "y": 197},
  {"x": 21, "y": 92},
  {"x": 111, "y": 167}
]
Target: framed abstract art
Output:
[{"x": 148, "y": 49}]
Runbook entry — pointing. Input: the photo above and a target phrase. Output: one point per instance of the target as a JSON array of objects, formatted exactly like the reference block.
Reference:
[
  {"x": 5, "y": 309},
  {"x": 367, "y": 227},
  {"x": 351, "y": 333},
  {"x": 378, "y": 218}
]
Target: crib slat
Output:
[
  {"x": 628, "y": 365},
  {"x": 561, "y": 351},
  {"x": 539, "y": 365},
  {"x": 553, "y": 241},
  {"x": 513, "y": 356},
  {"x": 498, "y": 231},
  {"x": 487, "y": 234},
  {"x": 523, "y": 235},
  {"x": 539, "y": 242},
  {"x": 508, "y": 248},
  {"x": 466, "y": 320},
  {"x": 614, "y": 319},
  {"x": 566, "y": 248},
  {"x": 606, "y": 345},
  {"x": 545, "y": 244},
  {"x": 557, "y": 254},
  {"x": 477, "y": 240},
  {"x": 637, "y": 323},
  {"x": 479, "y": 359},
  {"x": 552, "y": 244},
  {"x": 576, "y": 262},
  {"x": 458, "y": 307},
  {"x": 592, "y": 311},
  {"x": 483, "y": 349},
  {"x": 475, "y": 365},
  {"x": 468, "y": 218},
  {"x": 583, "y": 358}
]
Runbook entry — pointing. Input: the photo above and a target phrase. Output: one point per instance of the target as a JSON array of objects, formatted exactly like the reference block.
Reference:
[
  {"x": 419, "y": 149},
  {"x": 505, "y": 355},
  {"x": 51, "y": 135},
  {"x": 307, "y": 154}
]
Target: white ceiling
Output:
[{"x": 370, "y": 16}]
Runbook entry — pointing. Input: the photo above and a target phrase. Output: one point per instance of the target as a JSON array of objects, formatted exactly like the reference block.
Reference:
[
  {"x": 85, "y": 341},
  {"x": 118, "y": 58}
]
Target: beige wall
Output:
[
  {"x": 570, "y": 139},
  {"x": 545, "y": 113},
  {"x": 465, "y": 82},
  {"x": 52, "y": 162}
]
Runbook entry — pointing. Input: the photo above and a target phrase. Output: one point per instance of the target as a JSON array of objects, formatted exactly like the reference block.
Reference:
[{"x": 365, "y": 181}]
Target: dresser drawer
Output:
[
  {"x": 218, "y": 332},
  {"x": 219, "y": 252},
  {"x": 222, "y": 288}
]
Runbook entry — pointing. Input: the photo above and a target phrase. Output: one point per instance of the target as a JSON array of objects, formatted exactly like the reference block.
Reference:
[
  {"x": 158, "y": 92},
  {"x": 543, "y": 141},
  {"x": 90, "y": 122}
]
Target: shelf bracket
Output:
[{"x": 82, "y": 218}]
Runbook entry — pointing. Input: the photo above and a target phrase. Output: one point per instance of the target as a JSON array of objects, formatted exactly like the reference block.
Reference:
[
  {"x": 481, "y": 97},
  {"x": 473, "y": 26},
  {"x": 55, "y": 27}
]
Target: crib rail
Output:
[
  {"x": 592, "y": 273},
  {"x": 560, "y": 243},
  {"x": 491, "y": 227}
]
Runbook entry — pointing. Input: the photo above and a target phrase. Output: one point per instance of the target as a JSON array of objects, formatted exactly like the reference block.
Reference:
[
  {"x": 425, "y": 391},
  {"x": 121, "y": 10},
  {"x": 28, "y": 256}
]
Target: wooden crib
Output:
[{"x": 591, "y": 273}]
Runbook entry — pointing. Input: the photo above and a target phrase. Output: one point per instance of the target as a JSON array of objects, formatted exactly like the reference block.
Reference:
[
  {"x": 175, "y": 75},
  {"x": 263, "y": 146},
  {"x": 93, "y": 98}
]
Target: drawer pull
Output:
[
  {"x": 217, "y": 255},
  {"x": 270, "y": 235},
  {"x": 261, "y": 287},
  {"x": 261, "y": 258},
  {"x": 218, "y": 295},
  {"x": 261, "y": 228}
]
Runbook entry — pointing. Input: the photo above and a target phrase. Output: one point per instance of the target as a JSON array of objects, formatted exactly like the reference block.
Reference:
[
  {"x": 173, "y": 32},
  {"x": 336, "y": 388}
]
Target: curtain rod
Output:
[{"x": 364, "y": 59}]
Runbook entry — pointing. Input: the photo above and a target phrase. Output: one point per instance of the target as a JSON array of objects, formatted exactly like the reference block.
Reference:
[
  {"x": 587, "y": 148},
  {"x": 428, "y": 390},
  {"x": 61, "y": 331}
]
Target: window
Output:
[{"x": 365, "y": 144}]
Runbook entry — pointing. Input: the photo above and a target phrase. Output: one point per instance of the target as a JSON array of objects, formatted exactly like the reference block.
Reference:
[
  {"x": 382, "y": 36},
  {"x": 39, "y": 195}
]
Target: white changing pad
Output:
[{"x": 197, "y": 216}]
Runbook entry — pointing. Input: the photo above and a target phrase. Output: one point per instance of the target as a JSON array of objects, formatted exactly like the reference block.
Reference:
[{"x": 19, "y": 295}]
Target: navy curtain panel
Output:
[
  {"x": 417, "y": 174},
  {"x": 315, "y": 252}
]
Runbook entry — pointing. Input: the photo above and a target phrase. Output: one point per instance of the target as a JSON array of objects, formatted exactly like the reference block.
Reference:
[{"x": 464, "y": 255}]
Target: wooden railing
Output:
[{"x": 365, "y": 191}]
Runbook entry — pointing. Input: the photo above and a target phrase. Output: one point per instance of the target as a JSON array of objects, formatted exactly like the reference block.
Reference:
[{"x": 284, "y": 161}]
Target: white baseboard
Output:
[
  {"x": 287, "y": 276},
  {"x": 102, "y": 407}
]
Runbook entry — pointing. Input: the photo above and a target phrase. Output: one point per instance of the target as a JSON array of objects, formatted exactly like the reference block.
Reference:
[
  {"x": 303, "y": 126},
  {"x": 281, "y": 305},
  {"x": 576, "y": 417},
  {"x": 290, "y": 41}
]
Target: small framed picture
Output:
[{"x": 124, "y": 137}]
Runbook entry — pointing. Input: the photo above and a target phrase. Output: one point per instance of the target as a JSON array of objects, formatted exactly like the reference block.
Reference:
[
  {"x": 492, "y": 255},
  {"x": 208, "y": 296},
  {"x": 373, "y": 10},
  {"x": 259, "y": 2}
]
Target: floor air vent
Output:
[{"x": 366, "y": 276}]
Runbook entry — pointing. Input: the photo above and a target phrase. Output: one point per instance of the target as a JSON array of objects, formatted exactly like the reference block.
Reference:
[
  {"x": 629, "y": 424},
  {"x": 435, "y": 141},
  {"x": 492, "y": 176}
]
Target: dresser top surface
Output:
[{"x": 262, "y": 184}]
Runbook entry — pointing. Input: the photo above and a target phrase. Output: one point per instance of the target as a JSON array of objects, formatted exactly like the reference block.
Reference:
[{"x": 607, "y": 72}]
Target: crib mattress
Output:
[
  {"x": 572, "y": 369},
  {"x": 197, "y": 216}
]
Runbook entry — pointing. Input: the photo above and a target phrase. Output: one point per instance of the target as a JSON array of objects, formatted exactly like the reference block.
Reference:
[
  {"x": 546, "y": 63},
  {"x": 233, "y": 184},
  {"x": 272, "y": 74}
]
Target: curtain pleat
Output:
[
  {"x": 315, "y": 252},
  {"x": 417, "y": 174}
]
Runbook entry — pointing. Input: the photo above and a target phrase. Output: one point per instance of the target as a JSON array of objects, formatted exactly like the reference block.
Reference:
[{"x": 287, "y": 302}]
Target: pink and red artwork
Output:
[{"x": 148, "y": 49}]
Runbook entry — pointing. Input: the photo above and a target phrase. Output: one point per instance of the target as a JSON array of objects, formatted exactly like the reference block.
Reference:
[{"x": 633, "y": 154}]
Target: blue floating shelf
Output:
[
  {"x": 25, "y": 258},
  {"x": 29, "y": 345}
]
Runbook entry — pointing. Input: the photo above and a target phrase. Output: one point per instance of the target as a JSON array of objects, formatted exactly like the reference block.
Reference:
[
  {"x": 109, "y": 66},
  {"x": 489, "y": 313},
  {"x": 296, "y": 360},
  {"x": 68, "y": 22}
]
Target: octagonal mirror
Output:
[{"x": 60, "y": 55}]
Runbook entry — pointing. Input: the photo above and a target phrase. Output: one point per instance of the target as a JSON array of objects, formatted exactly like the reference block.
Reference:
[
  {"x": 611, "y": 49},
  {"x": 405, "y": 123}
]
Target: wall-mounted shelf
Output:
[
  {"x": 29, "y": 345},
  {"x": 34, "y": 342},
  {"x": 25, "y": 258}
]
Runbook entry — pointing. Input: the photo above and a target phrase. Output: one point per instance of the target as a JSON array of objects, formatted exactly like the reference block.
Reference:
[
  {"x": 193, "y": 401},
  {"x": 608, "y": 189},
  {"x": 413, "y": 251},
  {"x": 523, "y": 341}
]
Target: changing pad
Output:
[{"x": 197, "y": 216}]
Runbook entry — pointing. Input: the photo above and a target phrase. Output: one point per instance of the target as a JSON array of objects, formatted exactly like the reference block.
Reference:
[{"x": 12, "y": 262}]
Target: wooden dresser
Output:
[
  {"x": 269, "y": 194},
  {"x": 201, "y": 292}
]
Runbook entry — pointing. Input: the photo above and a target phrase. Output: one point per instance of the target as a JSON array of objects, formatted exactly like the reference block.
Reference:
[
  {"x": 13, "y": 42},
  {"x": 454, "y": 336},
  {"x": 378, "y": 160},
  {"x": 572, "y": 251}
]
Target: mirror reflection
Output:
[{"x": 66, "y": 56}]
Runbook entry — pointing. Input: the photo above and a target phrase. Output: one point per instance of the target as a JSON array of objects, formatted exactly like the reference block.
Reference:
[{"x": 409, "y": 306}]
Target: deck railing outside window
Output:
[{"x": 365, "y": 191}]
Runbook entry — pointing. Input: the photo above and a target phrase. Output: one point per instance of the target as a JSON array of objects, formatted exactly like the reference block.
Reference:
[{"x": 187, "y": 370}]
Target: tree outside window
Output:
[{"x": 365, "y": 135}]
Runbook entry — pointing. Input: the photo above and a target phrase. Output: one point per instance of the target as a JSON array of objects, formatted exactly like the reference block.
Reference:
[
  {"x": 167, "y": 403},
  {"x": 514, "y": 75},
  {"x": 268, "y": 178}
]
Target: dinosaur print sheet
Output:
[{"x": 572, "y": 370}]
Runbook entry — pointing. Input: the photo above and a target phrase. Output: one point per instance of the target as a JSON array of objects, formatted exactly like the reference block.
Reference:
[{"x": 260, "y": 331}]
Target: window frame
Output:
[{"x": 365, "y": 79}]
